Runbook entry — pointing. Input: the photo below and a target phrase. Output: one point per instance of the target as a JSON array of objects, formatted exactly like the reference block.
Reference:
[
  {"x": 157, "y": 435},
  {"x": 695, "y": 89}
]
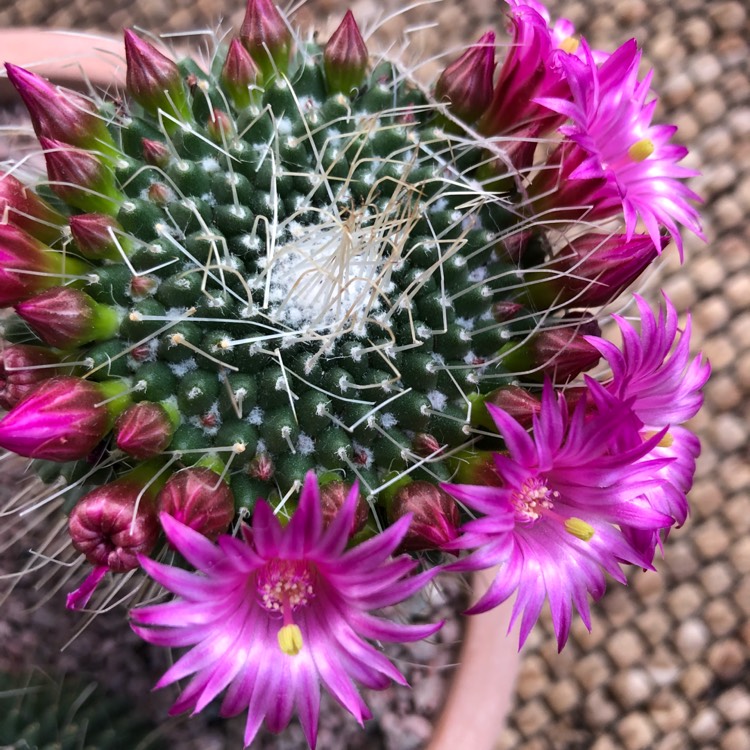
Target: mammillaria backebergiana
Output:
[{"x": 290, "y": 284}]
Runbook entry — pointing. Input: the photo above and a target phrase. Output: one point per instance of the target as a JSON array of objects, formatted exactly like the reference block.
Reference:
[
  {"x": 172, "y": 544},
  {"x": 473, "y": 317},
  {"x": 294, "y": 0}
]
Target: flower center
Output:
[
  {"x": 570, "y": 44},
  {"x": 535, "y": 499},
  {"x": 283, "y": 587},
  {"x": 641, "y": 150},
  {"x": 532, "y": 499}
]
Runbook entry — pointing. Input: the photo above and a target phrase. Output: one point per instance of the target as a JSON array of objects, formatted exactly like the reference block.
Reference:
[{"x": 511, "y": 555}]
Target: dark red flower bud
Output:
[
  {"x": 199, "y": 498},
  {"x": 516, "y": 401},
  {"x": 239, "y": 75},
  {"x": 27, "y": 266},
  {"x": 111, "y": 527},
  {"x": 345, "y": 57},
  {"x": 79, "y": 178},
  {"x": 145, "y": 429},
  {"x": 467, "y": 83},
  {"x": 66, "y": 318},
  {"x": 266, "y": 37},
  {"x": 435, "y": 518},
  {"x": 332, "y": 498},
  {"x": 425, "y": 444},
  {"x": 61, "y": 114},
  {"x": 23, "y": 208},
  {"x": 62, "y": 419},
  {"x": 154, "y": 81},
  {"x": 93, "y": 234},
  {"x": 563, "y": 353},
  {"x": 22, "y": 369},
  {"x": 592, "y": 270}
]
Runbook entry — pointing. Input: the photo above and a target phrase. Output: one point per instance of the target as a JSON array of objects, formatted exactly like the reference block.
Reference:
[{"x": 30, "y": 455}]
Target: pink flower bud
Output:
[
  {"x": 506, "y": 310},
  {"x": 111, "y": 527},
  {"x": 66, "y": 318},
  {"x": 516, "y": 401},
  {"x": 261, "y": 467},
  {"x": 467, "y": 83},
  {"x": 266, "y": 37},
  {"x": 93, "y": 236},
  {"x": 27, "y": 266},
  {"x": 435, "y": 518},
  {"x": 155, "y": 153},
  {"x": 23, "y": 208},
  {"x": 219, "y": 127},
  {"x": 79, "y": 178},
  {"x": 59, "y": 113},
  {"x": 332, "y": 498},
  {"x": 239, "y": 74},
  {"x": 63, "y": 419},
  {"x": 595, "y": 268},
  {"x": 154, "y": 80},
  {"x": 345, "y": 57},
  {"x": 144, "y": 430},
  {"x": 21, "y": 373},
  {"x": 199, "y": 498}
]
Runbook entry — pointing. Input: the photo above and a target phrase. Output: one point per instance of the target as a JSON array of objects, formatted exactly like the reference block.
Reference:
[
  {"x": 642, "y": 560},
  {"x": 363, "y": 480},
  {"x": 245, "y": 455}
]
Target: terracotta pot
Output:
[{"x": 482, "y": 688}]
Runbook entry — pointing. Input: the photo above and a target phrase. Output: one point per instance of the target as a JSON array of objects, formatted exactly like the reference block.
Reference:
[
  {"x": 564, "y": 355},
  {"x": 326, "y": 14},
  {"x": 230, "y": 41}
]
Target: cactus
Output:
[
  {"x": 294, "y": 265},
  {"x": 41, "y": 714}
]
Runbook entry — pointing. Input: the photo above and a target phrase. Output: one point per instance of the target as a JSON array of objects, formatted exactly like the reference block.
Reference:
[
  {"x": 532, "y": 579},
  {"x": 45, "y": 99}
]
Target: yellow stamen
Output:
[
  {"x": 290, "y": 640},
  {"x": 570, "y": 44},
  {"x": 641, "y": 150},
  {"x": 665, "y": 442},
  {"x": 579, "y": 529}
]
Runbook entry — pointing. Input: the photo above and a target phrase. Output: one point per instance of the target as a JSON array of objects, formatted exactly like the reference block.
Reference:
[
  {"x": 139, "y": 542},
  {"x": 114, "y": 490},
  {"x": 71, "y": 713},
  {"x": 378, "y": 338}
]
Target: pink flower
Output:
[
  {"x": 554, "y": 523},
  {"x": 656, "y": 376},
  {"x": 614, "y": 157},
  {"x": 273, "y": 614}
]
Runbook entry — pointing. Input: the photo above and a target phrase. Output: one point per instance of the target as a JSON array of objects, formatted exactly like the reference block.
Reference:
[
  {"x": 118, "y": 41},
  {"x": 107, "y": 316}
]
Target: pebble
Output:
[
  {"x": 727, "y": 658},
  {"x": 631, "y": 687},
  {"x": 692, "y": 639},
  {"x": 636, "y": 732}
]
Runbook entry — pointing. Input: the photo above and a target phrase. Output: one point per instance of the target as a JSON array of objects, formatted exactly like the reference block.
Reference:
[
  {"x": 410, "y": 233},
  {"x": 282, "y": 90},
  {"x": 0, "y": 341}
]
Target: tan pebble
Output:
[
  {"x": 598, "y": 710},
  {"x": 710, "y": 539},
  {"x": 669, "y": 711},
  {"x": 692, "y": 638},
  {"x": 563, "y": 696},
  {"x": 626, "y": 648},
  {"x": 529, "y": 718},
  {"x": 706, "y": 725},
  {"x": 728, "y": 16},
  {"x": 736, "y": 738},
  {"x": 696, "y": 679},
  {"x": 636, "y": 732},
  {"x": 727, "y": 658},
  {"x": 631, "y": 687},
  {"x": 685, "y": 600}
]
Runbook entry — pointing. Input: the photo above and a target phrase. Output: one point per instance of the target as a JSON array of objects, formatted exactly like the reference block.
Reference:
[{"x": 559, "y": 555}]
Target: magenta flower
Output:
[
  {"x": 273, "y": 614},
  {"x": 656, "y": 376},
  {"x": 554, "y": 523},
  {"x": 614, "y": 157}
]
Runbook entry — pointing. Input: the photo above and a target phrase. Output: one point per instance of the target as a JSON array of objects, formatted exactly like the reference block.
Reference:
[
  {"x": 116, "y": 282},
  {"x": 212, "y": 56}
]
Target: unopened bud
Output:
[
  {"x": 97, "y": 236},
  {"x": 516, "y": 401},
  {"x": 155, "y": 153},
  {"x": 466, "y": 84},
  {"x": 425, "y": 445},
  {"x": 155, "y": 81},
  {"x": 28, "y": 267},
  {"x": 220, "y": 127},
  {"x": 22, "y": 207},
  {"x": 332, "y": 498},
  {"x": 261, "y": 467},
  {"x": 61, "y": 420},
  {"x": 592, "y": 270},
  {"x": 80, "y": 179},
  {"x": 562, "y": 353},
  {"x": 111, "y": 527},
  {"x": 22, "y": 369},
  {"x": 199, "y": 498},
  {"x": 435, "y": 518},
  {"x": 266, "y": 37},
  {"x": 345, "y": 57},
  {"x": 505, "y": 310},
  {"x": 145, "y": 429},
  {"x": 67, "y": 318},
  {"x": 61, "y": 114},
  {"x": 239, "y": 75}
]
